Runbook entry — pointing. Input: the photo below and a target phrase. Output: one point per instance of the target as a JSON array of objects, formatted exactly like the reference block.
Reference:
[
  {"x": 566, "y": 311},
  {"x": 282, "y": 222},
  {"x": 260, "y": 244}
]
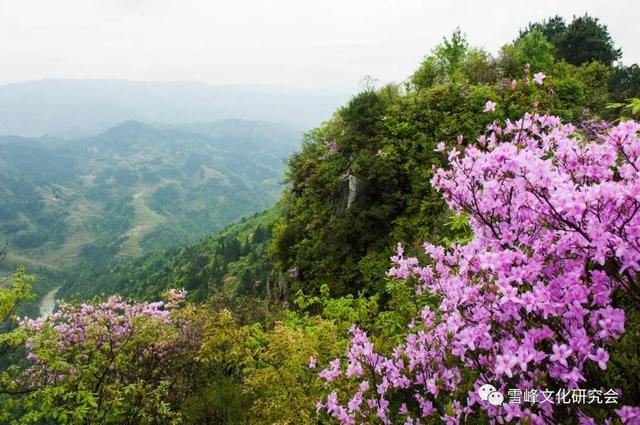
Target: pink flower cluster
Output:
[
  {"x": 527, "y": 303},
  {"x": 87, "y": 327}
]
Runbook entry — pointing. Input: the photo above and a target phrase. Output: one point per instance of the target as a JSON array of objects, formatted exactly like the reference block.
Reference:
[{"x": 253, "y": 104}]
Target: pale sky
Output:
[{"x": 312, "y": 44}]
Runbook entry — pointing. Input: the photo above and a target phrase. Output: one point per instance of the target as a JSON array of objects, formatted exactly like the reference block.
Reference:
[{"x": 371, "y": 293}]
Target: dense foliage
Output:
[
  {"x": 234, "y": 261},
  {"x": 361, "y": 182},
  {"x": 584, "y": 40},
  {"x": 112, "y": 362},
  {"x": 13, "y": 291}
]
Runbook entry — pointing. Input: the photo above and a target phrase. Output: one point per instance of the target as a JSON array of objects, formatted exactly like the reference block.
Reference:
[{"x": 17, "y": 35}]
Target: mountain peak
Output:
[{"x": 131, "y": 127}]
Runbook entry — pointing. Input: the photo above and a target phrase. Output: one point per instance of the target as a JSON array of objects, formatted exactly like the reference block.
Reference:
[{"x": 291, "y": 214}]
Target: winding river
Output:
[{"x": 48, "y": 302}]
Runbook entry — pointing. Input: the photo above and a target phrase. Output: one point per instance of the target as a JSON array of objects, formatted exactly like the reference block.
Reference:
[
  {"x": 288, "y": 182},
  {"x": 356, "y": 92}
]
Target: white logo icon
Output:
[{"x": 489, "y": 393}]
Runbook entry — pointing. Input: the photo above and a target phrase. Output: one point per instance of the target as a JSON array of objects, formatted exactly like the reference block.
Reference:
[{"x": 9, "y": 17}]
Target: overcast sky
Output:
[{"x": 298, "y": 43}]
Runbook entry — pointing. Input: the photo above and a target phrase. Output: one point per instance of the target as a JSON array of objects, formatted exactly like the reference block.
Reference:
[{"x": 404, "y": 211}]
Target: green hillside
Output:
[{"x": 235, "y": 261}]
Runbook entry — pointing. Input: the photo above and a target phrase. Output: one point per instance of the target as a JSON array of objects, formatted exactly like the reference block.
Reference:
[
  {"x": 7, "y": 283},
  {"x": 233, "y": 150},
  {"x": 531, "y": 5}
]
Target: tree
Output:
[
  {"x": 111, "y": 362},
  {"x": 584, "y": 40},
  {"x": 587, "y": 40},
  {"x": 454, "y": 61},
  {"x": 283, "y": 387},
  {"x": 553, "y": 29},
  {"x": 533, "y": 49},
  {"x": 625, "y": 82},
  {"x": 12, "y": 294}
]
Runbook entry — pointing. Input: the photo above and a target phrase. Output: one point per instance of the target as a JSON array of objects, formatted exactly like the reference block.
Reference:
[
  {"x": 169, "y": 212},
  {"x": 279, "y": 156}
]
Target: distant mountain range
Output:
[
  {"x": 75, "y": 108},
  {"x": 134, "y": 188}
]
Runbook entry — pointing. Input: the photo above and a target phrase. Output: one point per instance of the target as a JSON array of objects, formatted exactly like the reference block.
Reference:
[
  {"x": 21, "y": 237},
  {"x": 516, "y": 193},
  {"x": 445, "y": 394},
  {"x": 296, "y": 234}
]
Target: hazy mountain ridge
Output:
[{"x": 76, "y": 108}]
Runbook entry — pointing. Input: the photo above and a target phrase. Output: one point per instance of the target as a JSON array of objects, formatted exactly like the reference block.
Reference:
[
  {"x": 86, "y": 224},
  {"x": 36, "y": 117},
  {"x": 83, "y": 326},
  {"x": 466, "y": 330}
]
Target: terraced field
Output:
[
  {"x": 144, "y": 222},
  {"x": 57, "y": 257},
  {"x": 79, "y": 236}
]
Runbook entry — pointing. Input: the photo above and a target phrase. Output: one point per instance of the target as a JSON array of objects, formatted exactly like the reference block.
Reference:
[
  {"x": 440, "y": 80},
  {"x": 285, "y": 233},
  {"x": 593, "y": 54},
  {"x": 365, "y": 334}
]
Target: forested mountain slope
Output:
[{"x": 233, "y": 262}]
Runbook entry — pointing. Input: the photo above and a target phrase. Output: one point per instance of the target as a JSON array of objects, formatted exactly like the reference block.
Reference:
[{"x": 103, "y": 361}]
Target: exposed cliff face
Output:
[{"x": 351, "y": 183}]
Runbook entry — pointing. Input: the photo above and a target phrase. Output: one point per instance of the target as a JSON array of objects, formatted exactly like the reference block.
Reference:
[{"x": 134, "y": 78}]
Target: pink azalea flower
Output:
[
  {"x": 629, "y": 415},
  {"x": 490, "y": 106},
  {"x": 561, "y": 353},
  {"x": 600, "y": 356}
]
